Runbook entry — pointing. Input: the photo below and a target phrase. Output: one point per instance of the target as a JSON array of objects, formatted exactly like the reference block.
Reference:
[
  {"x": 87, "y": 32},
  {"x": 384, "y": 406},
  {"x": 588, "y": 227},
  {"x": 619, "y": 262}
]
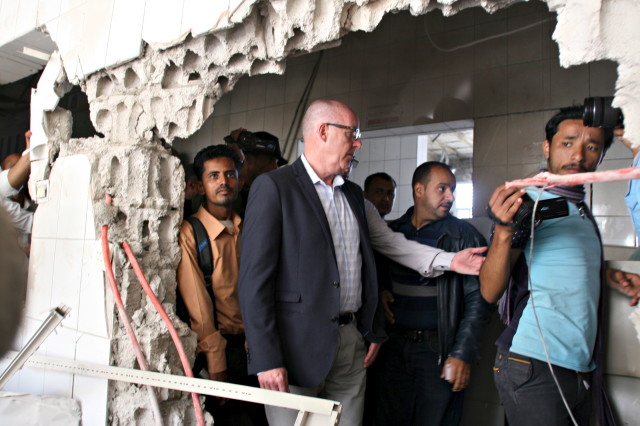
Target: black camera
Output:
[
  {"x": 546, "y": 209},
  {"x": 598, "y": 112}
]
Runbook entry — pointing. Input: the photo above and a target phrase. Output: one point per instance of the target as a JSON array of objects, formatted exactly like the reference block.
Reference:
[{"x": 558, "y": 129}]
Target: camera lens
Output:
[{"x": 598, "y": 112}]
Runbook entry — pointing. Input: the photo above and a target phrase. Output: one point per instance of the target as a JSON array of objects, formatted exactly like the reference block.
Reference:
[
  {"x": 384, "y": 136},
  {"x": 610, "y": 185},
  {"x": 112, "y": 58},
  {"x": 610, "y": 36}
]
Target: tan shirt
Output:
[{"x": 225, "y": 249}]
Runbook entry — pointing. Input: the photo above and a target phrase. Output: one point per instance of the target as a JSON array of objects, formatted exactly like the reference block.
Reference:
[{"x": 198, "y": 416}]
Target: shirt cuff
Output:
[{"x": 442, "y": 262}]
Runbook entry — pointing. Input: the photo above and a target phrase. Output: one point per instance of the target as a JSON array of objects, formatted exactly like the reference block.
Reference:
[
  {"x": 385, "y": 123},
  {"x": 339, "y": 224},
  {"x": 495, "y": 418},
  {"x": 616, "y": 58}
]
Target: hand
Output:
[
  {"x": 626, "y": 283},
  {"x": 275, "y": 379},
  {"x": 220, "y": 376},
  {"x": 467, "y": 262},
  {"x": 459, "y": 374},
  {"x": 372, "y": 353},
  {"x": 386, "y": 297},
  {"x": 27, "y": 137},
  {"x": 235, "y": 134},
  {"x": 504, "y": 204}
]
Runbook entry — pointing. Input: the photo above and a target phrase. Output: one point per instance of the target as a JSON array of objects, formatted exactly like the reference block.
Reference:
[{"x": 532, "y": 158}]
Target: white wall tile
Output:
[
  {"x": 377, "y": 148},
  {"x": 47, "y": 10},
  {"x": 41, "y": 266},
  {"x": 408, "y": 147},
  {"x": 407, "y": 167},
  {"x": 616, "y": 230},
  {"x": 376, "y": 166},
  {"x": 392, "y": 168},
  {"x": 74, "y": 174},
  {"x": 608, "y": 197},
  {"x": 160, "y": 25},
  {"x": 201, "y": 16},
  {"x": 27, "y": 16},
  {"x": 392, "y": 148},
  {"x": 126, "y": 31}
]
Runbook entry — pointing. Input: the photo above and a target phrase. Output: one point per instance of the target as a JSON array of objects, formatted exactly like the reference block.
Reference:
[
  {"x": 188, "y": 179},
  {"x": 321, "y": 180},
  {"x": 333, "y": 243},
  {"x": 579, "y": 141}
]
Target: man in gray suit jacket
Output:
[{"x": 307, "y": 285}]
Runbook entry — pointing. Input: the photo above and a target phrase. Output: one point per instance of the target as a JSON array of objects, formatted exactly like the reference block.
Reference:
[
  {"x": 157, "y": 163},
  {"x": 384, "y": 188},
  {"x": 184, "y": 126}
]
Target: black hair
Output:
[
  {"x": 212, "y": 152},
  {"x": 574, "y": 112},
  {"x": 380, "y": 175},
  {"x": 423, "y": 171}
]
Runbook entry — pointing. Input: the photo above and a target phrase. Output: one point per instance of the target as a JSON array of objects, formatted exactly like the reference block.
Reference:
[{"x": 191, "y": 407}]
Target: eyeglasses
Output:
[{"x": 356, "y": 130}]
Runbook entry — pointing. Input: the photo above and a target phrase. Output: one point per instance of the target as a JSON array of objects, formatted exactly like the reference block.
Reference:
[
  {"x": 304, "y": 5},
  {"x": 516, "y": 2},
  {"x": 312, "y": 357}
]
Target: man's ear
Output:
[
  {"x": 546, "y": 147},
  {"x": 418, "y": 190},
  {"x": 200, "y": 188},
  {"x": 323, "y": 131}
]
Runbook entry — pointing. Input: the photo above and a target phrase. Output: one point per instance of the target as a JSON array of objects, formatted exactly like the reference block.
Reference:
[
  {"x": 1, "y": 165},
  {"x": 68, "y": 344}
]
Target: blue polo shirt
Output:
[{"x": 565, "y": 276}]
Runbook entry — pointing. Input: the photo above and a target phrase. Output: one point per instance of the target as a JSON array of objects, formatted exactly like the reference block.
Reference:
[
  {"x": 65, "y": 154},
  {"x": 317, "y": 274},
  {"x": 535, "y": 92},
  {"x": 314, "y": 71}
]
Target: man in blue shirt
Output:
[
  {"x": 553, "y": 308},
  {"x": 436, "y": 323}
]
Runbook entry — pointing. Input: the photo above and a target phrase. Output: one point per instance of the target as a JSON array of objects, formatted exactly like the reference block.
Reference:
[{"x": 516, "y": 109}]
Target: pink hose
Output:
[
  {"x": 142, "y": 361},
  {"x": 167, "y": 321}
]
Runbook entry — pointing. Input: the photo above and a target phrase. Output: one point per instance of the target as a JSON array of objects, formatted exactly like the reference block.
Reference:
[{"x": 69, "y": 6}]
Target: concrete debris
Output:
[
  {"x": 607, "y": 30},
  {"x": 34, "y": 410}
]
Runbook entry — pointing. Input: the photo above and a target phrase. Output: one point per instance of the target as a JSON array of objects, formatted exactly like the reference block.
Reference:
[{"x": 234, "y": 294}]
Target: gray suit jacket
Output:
[{"x": 289, "y": 284}]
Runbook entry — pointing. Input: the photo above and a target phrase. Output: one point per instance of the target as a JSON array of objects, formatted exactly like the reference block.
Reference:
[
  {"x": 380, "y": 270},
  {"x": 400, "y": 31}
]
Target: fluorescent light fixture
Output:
[{"x": 36, "y": 53}]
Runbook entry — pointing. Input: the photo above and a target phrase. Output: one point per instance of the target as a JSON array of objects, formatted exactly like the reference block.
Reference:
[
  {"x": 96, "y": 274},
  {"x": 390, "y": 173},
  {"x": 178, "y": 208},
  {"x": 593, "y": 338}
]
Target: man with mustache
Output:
[
  {"x": 435, "y": 324},
  {"x": 549, "y": 360},
  {"x": 217, "y": 321}
]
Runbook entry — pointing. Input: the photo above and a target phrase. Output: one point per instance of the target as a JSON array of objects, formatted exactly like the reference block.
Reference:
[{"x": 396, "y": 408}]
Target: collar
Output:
[
  {"x": 213, "y": 226},
  {"x": 574, "y": 194},
  {"x": 337, "y": 180}
]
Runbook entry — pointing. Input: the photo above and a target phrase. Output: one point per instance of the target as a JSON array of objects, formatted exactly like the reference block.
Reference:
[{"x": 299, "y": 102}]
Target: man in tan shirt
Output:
[{"x": 220, "y": 339}]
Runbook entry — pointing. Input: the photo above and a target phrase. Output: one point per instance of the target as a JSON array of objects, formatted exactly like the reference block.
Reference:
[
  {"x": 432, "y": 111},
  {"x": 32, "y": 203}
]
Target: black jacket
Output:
[{"x": 462, "y": 312}]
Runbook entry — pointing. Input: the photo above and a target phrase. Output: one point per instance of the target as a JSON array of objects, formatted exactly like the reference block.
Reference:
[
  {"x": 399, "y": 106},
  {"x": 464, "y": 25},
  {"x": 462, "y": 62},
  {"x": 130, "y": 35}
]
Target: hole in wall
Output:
[
  {"x": 114, "y": 174},
  {"x": 172, "y": 76},
  {"x": 194, "y": 76},
  {"x": 103, "y": 120},
  {"x": 131, "y": 79},
  {"x": 211, "y": 43},
  {"x": 104, "y": 87},
  {"x": 223, "y": 82},
  {"x": 191, "y": 60},
  {"x": 236, "y": 61}
]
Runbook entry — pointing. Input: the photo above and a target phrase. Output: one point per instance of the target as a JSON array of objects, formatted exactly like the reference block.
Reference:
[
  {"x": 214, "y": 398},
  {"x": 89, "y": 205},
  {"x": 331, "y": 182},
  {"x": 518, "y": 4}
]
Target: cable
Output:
[
  {"x": 533, "y": 306},
  {"x": 124, "y": 317},
  {"x": 172, "y": 330},
  {"x": 482, "y": 40}
]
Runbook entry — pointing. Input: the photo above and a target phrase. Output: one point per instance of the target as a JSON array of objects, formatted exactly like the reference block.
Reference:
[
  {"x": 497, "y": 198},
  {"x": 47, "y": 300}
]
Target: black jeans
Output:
[
  {"x": 410, "y": 390},
  {"x": 530, "y": 396}
]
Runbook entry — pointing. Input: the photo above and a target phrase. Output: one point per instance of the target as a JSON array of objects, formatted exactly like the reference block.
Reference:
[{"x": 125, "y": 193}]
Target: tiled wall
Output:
[
  {"x": 395, "y": 155},
  {"x": 510, "y": 86}
]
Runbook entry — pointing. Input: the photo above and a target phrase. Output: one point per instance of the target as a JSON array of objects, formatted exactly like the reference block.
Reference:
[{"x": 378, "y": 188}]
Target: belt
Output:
[
  {"x": 414, "y": 290},
  {"x": 416, "y": 335},
  {"x": 346, "y": 318}
]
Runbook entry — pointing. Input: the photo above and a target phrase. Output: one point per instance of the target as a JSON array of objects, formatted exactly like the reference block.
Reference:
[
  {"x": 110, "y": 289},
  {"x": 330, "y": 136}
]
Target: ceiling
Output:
[{"x": 19, "y": 72}]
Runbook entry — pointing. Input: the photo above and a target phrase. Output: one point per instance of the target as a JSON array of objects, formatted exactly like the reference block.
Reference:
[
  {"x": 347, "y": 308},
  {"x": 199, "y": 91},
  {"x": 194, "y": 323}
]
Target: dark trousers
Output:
[
  {"x": 410, "y": 390},
  {"x": 234, "y": 412},
  {"x": 530, "y": 396}
]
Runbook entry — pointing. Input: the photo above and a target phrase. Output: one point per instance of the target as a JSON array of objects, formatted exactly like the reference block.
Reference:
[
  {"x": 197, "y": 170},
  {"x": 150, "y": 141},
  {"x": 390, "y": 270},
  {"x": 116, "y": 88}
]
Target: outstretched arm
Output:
[
  {"x": 495, "y": 271},
  {"x": 426, "y": 260},
  {"x": 19, "y": 173}
]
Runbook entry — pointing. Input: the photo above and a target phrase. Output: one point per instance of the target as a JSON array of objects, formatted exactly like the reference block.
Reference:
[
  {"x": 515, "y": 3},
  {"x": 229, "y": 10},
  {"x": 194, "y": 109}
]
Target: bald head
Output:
[
  {"x": 9, "y": 161},
  {"x": 322, "y": 111},
  {"x": 331, "y": 137}
]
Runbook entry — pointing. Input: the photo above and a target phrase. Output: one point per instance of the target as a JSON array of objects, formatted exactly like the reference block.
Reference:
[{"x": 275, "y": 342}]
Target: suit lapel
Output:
[{"x": 309, "y": 191}]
